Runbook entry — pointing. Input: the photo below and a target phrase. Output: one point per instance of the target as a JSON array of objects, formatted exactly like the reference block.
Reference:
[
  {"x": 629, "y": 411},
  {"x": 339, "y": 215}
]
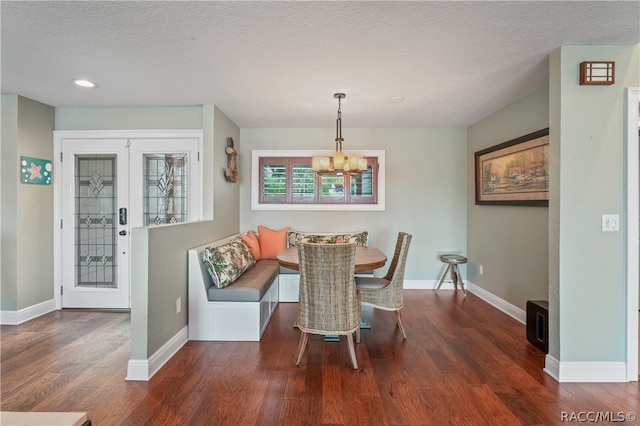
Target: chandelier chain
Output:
[{"x": 339, "y": 164}]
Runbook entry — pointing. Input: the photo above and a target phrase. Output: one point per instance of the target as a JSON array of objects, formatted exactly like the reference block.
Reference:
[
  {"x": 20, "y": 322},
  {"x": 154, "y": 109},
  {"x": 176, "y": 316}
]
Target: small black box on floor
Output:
[{"x": 538, "y": 324}]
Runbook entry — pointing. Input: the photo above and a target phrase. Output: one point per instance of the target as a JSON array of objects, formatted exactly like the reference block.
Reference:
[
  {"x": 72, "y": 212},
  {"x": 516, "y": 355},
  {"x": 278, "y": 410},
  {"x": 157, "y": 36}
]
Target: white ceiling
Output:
[{"x": 277, "y": 64}]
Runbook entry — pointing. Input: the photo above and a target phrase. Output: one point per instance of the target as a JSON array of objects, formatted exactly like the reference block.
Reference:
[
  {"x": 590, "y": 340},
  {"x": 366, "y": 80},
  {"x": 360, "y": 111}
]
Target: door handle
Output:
[
  {"x": 122, "y": 233},
  {"x": 122, "y": 213}
]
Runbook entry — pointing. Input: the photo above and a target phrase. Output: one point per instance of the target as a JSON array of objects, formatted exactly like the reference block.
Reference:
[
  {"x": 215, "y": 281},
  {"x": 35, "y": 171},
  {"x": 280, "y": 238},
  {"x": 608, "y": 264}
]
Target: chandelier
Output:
[{"x": 339, "y": 164}]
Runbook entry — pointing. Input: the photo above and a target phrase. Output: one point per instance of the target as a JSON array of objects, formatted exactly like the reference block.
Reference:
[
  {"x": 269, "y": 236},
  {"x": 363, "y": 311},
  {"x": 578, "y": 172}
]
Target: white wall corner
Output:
[
  {"x": 144, "y": 369},
  {"x": 552, "y": 367},
  {"x": 138, "y": 370},
  {"x": 28, "y": 313}
]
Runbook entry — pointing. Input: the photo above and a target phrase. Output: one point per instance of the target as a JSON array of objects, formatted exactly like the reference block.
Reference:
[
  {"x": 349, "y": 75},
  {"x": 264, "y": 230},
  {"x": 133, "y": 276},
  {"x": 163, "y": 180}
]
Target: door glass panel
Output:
[
  {"x": 95, "y": 221},
  {"x": 165, "y": 189}
]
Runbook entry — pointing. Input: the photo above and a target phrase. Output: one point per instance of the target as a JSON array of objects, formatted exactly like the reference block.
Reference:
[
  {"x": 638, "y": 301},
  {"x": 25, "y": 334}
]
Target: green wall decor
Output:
[{"x": 35, "y": 170}]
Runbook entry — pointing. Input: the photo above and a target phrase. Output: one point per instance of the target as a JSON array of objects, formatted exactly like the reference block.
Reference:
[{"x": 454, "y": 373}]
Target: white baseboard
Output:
[
  {"x": 513, "y": 311},
  {"x": 26, "y": 314},
  {"x": 506, "y": 307},
  {"x": 590, "y": 371},
  {"x": 144, "y": 369}
]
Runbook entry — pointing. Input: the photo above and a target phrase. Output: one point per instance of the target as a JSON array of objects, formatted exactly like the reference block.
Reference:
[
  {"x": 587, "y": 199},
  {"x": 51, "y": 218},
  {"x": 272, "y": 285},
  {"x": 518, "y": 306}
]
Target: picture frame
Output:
[
  {"x": 35, "y": 171},
  {"x": 515, "y": 172}
]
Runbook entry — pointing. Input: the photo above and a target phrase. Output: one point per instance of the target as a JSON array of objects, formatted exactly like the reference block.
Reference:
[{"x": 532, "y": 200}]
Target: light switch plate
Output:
[{"x": 610, "y": 223}]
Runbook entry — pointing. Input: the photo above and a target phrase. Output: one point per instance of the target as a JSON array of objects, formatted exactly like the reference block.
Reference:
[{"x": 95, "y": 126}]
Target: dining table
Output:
[{"x": 367, "y": 258}]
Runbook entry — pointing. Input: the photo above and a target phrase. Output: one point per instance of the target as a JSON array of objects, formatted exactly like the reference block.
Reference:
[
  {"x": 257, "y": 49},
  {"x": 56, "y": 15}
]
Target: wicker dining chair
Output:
[
  {"x": 328, "y": 301},
  {"x": 386, "y": 293}
]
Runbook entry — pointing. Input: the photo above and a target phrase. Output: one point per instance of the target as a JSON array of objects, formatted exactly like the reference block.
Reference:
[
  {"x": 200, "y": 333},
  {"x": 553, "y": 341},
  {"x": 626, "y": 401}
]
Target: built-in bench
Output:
[{"x": 241, "y": 310}]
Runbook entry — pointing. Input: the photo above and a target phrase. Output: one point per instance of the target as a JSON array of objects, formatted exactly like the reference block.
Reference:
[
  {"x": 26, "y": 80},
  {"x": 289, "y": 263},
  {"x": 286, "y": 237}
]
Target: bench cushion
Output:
[
  {"x": 250, "y": 287},
  {"x": 227, "y": 262}
]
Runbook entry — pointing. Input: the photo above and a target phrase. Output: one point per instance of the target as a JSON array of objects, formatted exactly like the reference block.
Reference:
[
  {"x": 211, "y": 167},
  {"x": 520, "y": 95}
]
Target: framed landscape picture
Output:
[{"x": 515, "y": 172}]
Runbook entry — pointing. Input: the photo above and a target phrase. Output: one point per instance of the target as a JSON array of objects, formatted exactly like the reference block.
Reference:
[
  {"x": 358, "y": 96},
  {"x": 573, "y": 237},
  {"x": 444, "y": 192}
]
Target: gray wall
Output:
[
  {"x": 227, "y": 195},
  {"x": 426, "y": 175},
  {"x": 510, "y": 242},
  {"x": 587, "y": 282},
  {"x": 27, "y": 213},
  {"x": 8, "y": 204},
  {"x": 158, "y": 278},
  {"x": 159, "y": 254}
]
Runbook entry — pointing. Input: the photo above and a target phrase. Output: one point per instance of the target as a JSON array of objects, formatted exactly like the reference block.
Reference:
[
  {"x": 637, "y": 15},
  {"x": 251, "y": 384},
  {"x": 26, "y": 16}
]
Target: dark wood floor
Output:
[{"x": 464, "y": 363}]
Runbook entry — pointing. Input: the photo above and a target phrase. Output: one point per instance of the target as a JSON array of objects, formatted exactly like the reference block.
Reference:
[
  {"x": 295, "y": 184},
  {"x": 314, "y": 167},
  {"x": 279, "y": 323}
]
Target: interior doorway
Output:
[{"x": 108, "y": 183}]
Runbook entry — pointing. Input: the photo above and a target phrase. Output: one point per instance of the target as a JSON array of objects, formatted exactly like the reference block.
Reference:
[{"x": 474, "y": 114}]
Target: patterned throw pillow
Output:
[
  {"x": 227, "y": 262},
  {"x": 295, "y": 237}
]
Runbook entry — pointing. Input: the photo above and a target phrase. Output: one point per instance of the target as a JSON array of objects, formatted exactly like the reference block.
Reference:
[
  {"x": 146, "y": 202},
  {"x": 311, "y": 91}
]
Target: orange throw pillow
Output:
[
  {"x": 272, "y": 242},
  {"x": 251, "y": 240}
]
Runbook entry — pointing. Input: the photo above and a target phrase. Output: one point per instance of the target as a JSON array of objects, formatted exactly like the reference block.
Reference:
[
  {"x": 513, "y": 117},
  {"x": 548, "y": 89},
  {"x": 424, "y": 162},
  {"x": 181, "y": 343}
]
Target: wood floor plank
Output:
[{"x": 463, "y": 363}]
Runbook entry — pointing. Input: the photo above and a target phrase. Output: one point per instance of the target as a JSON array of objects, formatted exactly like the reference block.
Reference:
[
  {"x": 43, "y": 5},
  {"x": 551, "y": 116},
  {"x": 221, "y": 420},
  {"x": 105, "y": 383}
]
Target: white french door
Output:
[{"x": 108, "y": 186}]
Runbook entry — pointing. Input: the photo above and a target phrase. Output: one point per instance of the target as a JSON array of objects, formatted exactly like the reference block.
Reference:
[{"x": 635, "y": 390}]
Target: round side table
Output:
[{"x": 452, "y": 261}]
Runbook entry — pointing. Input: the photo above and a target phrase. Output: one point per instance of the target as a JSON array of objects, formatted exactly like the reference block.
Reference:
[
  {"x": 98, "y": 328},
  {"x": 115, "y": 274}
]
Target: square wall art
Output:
[{"x": 35, "y": 170}]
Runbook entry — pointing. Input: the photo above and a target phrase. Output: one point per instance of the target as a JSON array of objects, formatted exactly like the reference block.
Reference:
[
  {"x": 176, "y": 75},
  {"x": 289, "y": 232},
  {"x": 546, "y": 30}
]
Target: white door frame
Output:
[
  {"x": 633, "y": 229},
  {"x": 57, "y": 181}
]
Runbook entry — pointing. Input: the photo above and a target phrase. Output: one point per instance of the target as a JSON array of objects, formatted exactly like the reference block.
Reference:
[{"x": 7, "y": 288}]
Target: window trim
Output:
[{"x": 255, "y": 181}]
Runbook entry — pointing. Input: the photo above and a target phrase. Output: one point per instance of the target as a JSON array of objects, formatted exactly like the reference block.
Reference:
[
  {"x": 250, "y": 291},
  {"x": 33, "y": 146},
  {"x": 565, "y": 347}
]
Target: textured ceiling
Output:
[{"x": 277, "y": 64}]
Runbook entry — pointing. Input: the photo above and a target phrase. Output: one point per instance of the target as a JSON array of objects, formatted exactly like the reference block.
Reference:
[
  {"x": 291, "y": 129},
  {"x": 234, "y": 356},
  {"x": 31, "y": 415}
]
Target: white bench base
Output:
[
  {"x": 237, "y": 321},
  {"x": 289, "y": 286},
  {"x": 224, "y": 321}
]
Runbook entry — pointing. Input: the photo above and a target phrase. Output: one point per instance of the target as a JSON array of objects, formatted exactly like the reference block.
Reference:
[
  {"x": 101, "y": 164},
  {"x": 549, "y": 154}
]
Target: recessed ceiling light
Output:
[
  {"x": 397, "y": 99},
  {"x": 84, "y": 83}
]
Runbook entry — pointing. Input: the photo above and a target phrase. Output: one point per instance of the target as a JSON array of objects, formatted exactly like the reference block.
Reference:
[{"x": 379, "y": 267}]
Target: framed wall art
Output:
[
  {"x": 35, "y": 170},
  {"x": 515, "y": 172}
]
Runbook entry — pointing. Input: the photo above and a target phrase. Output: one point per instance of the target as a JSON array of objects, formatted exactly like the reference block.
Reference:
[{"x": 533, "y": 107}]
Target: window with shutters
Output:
[{"x": 285, "y": 181}]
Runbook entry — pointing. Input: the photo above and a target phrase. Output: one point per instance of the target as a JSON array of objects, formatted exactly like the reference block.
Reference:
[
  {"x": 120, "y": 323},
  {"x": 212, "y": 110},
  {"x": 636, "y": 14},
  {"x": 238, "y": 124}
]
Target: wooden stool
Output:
[{"x": 452, "y": 261}]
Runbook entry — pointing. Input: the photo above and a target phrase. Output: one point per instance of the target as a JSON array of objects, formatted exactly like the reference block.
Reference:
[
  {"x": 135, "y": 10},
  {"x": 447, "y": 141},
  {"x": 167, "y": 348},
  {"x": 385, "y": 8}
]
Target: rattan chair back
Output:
[{"x": 328, "y": 299}]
